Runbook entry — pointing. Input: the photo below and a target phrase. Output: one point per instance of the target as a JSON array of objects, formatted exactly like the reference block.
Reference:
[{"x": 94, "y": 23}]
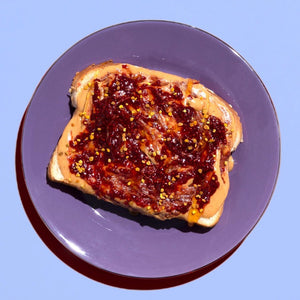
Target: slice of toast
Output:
[{"x": 149, "y": 141}]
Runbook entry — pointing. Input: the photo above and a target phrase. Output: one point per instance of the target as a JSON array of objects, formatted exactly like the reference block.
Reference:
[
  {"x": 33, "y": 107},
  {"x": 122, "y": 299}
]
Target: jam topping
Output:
[{"x": 142, "y": 145}]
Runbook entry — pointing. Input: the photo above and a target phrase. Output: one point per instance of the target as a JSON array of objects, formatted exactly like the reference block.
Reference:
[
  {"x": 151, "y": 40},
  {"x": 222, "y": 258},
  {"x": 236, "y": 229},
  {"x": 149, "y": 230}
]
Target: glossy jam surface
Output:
[{"x": 142, "y": 145}]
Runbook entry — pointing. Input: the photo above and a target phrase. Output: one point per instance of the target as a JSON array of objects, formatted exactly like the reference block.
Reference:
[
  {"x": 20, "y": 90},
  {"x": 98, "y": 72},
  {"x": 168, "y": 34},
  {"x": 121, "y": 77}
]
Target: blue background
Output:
[{"x": 266, "y": 33}]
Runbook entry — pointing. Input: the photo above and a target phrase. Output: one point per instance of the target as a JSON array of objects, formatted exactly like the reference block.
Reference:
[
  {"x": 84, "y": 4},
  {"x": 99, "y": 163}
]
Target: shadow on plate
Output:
[{"x": 86, "y": 269}]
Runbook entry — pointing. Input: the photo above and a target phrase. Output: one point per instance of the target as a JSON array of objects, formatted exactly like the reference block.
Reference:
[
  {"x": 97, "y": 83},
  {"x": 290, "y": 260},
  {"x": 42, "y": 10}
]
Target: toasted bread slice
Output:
[{"x": 149, "y": 141}]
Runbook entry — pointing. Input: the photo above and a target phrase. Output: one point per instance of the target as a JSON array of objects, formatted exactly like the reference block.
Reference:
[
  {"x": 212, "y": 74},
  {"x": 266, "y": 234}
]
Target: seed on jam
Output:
[{"x": 126, "y": 151}]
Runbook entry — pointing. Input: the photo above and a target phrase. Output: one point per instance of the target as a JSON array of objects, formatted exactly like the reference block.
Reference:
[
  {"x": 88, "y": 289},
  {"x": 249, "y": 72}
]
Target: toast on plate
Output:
[{"x": 149, "y": 141}]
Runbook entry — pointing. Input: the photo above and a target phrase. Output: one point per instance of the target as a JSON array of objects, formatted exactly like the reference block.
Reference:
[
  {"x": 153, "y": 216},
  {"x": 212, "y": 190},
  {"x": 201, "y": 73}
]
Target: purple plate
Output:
[{"x": 109, "y": 237}]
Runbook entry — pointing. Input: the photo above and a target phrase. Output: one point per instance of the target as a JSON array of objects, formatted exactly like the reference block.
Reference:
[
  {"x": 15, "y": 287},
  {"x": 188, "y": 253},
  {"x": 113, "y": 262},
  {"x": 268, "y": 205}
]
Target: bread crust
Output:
[{"x": 202, "y": 99}]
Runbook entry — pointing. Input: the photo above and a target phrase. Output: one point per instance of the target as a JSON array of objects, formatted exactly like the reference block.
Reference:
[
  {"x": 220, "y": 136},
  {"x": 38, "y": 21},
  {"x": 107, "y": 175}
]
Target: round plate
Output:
[{"x": 108, "y": 237}]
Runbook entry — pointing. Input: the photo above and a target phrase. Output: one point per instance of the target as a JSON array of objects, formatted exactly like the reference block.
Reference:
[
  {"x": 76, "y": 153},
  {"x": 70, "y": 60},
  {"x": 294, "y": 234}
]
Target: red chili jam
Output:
[{"x": 142, "y": 144}]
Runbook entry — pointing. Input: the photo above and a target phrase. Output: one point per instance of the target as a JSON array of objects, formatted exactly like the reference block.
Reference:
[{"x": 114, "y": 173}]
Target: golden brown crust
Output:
[{"x": 203, "y": 99}]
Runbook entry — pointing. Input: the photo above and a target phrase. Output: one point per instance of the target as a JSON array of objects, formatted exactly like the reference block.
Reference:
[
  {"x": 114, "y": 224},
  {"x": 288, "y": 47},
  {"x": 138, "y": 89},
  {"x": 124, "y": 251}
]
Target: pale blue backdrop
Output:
[{"x": 266, "y": 33}]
